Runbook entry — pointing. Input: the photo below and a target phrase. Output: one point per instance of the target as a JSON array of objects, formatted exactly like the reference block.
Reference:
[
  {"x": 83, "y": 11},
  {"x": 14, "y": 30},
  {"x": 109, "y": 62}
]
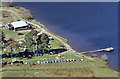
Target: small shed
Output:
[
  {"x": 47, "y": 61},
  {"x": 43, "y": 62},
  {"x": 56, "y": 61},
  {"x": 73, "y": 59},
  {"x": 61, "y": 60},
  {"x": 52, "y": 61},
  {"x": 38, "y": 62},
  {"x": 82, "y": 59},
  {"x": 65, "y": 60}
]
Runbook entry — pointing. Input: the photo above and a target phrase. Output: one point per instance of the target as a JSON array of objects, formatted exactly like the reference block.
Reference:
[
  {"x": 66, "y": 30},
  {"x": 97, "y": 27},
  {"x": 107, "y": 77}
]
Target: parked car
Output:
[{"x": 20, "y": 34}]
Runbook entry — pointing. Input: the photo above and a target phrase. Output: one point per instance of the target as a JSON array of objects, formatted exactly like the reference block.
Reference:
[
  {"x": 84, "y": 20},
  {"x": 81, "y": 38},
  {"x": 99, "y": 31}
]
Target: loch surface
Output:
[{"x": 87, "y": 26}]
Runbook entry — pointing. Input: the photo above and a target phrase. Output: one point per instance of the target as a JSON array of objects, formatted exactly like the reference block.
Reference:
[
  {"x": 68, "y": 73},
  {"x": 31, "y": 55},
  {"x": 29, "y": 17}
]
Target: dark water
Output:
[{"x": 87, "y": 26}]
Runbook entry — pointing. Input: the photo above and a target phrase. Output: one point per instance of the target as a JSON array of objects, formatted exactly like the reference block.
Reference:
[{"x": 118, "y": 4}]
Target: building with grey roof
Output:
[{"x": 18, "y": 25}]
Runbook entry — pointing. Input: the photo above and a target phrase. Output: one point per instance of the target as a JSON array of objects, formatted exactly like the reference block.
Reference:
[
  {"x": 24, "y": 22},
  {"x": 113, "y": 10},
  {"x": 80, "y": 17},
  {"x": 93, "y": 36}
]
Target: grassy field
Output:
[
  {"x": 68, "y": 69},
  {"x": 102, "y": 70},
  {"x": 9, "y": 33},
  {"x": 13, "y": 34},
  {"x": 65, "y": 40},
  {"x": 55, "y": 44},
  {"x": 73, "y": 69}
]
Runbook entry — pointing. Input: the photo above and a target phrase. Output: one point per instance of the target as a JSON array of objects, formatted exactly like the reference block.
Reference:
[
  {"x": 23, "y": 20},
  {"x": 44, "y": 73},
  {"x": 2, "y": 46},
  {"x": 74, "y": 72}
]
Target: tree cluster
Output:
[
  {"x": 43, "y": 41},
  {"x": 40, "y": 42},
  {"x": 2, "y": 36},
  {"x": 29, "y": 39}
]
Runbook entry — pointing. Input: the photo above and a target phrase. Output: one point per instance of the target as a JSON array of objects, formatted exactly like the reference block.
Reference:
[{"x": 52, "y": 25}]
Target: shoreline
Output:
[
  {"x": 60, "y": 36},
  {"x": 72, "y": 47}
]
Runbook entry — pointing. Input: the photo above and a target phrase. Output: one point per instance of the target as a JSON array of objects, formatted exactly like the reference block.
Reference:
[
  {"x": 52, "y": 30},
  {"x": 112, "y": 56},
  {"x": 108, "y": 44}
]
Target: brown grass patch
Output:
[{"x": 72, "y": 72}]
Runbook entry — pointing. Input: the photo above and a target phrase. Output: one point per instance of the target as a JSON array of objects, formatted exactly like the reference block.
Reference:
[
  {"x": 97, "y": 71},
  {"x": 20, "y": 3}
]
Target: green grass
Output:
[
  {"x": 74, "y": 69},
  {"x": 12, "y": 34},
  {"x": 55, "y": 44},
  {"x": 10, "y": 74},
  {"x": 61, "y": 69},
  {"x": 9, "y": 33},
  {"x": 103, "y": 72},
  {"x": 72, "y": 56},
  {"x": 63, "y": 39},
  {"x": 25, "y": 33}
]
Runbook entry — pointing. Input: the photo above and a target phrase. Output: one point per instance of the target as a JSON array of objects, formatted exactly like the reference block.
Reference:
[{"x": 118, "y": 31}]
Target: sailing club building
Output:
[{"x": 18, "y": 25}]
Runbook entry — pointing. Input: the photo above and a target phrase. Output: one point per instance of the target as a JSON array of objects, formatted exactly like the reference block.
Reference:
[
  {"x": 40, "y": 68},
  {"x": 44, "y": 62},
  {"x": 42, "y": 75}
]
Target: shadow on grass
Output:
[{"x": 28, "y": 54}]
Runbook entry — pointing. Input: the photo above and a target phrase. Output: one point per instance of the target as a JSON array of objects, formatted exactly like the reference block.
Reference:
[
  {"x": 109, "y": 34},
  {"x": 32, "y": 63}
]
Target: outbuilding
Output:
[{"x": 10, "y": 27}]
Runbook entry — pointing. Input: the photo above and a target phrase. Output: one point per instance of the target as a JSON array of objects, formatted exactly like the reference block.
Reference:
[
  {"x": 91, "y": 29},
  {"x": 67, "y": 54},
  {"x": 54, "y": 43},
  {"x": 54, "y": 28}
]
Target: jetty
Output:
[{"x": 101, "y": 50}]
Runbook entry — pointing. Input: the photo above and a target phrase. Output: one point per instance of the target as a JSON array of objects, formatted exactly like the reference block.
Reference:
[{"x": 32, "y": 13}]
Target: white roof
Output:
[{"x": 19, "y": 24}]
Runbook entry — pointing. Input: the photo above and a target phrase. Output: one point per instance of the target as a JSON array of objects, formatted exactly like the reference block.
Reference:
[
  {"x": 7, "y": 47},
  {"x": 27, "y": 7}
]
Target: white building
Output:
[{"x": 20, "y": 25}]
